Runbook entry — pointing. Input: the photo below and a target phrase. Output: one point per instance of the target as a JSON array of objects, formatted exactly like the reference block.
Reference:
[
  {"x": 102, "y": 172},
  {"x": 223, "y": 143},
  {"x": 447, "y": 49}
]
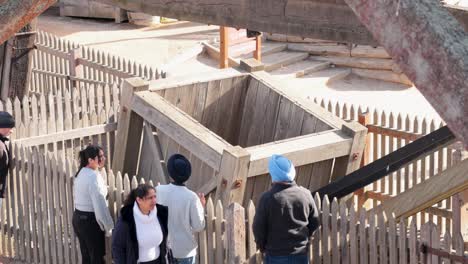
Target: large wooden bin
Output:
[{"x": 228, "y": 124}]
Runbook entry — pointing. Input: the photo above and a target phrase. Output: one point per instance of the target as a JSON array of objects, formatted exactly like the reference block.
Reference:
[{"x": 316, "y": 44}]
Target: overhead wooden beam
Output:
[
  {"x": 301, "y": 150},
  {"x": 431, "y": 48},
  {"x": 322, "y": 19},
  {"x": 428, "y": 193},
  {"x": 15, "y": 14}
]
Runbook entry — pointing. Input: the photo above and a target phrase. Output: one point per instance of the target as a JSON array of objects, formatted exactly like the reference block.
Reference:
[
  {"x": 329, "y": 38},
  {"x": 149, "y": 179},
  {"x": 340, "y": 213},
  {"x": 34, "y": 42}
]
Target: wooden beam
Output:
[
  {"x": 66, "y": 135},
  {"x": 320, "y": 19},
  {"x": 232, "y": 176},
  {"x": 428, "y": 193},
  {"x": 392, "y": 132},
  {"x": 347, "y": 164},
  {"x": 388, "y": 164},
  {"x": 301, "y": 150},
  {"x": 258, "y": 48},
  {"x": 179, "y": 126},
  {"x": 429, "y": 45},
  {"x": 15, "y": 14},
  {"x": 130, "y": 126},
  {"x": 235, "y": 234},
  {"x": 161, "y": 170}
]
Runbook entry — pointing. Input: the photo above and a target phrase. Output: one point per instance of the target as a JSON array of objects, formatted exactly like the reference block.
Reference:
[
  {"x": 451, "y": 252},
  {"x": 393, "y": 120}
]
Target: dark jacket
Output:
[
  {"x": 285, "y": 218},
  {"x": 124, "y": 237},
  {"x": 5, "y": 158}
]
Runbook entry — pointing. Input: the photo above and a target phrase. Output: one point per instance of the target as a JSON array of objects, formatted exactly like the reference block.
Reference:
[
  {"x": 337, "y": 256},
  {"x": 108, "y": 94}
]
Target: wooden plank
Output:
[
  {"x": 220, "y": 250},
  {"x": 210, "y": 230},
  {"x": 300, "y": 150},
  {"x": 248, "y": 110},
  {"x": 67, "y": 135},
  {"x": 344, "y": 243},
  {"x": 180, "y": 127},
  {"x": 235, "y": 233},
  {"x": 129, "y": 124},
  {"x": 373, "y": 255},
  {"x": 335, "y": 240},
  {"x": 363, "y": 246},
  {"x": 258, "y": 110},
  {"x": 431, "y": 191},
  {"x": 326, "y": 245},
  {"x": 353, "y": 235},
  {"x": 382, "y": 238}
]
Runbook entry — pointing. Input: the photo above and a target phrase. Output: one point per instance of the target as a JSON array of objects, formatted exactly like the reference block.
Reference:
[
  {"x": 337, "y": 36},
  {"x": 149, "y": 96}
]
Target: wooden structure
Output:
[
  {"x": 231, "y": 36},
  {"x": 91, "y": 8},
  {"x": 228, "y": 125}
]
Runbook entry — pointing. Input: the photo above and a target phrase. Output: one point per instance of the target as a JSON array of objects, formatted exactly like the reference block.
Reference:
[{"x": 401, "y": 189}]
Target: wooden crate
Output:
[
  {"x": 90, "y": 8},
  {"x": 228, "y": 124}
]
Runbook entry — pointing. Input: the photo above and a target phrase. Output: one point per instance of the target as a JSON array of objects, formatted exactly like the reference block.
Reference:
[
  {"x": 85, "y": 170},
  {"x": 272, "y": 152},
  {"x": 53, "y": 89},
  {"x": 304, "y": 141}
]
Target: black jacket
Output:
[
  {"x": 5, "y": 158},
  {"x": 285, "y": 218},
  {"x": 124, "y": 237}
]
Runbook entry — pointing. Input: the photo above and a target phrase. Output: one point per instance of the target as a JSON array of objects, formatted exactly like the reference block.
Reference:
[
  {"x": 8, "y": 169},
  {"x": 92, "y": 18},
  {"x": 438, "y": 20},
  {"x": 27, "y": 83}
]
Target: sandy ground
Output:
[{"x": 156, "y": 45}]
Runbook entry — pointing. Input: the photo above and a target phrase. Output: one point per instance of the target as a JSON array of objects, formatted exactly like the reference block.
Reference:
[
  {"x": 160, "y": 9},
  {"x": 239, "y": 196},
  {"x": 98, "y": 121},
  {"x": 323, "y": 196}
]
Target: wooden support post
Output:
[
  {"x": 223, "y": 47},
  {"x": 460, "y": 200},
  {"x": 76, "y": 69},
  {"x": 129, "y": 129},
  {"x": 347, "y": 164},
  {"x": 258, "y": 48},
  {"x": 363, "y": 119},
  {"x": 5, "y": 75},
  {"x": 235, "y": 230},
  {"x": 232, "y": 176}
]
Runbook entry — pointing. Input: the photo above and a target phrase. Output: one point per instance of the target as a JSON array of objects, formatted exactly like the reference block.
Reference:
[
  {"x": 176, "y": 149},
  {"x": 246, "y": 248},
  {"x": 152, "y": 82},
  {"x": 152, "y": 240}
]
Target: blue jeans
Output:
[
  {"x": 189, "y": 260},
  {"x": 289, "y": 259}
]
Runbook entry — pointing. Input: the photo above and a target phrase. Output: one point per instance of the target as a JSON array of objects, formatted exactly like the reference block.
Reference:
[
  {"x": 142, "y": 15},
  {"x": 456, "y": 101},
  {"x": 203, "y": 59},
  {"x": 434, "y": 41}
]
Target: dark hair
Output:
[
  {"x": 90, "y": 152},
  {"x": 141, "y": 191}
]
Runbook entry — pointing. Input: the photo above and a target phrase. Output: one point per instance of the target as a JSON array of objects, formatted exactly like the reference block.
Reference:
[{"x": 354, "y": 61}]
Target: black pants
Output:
[
  {"x": 90, "y": 236},
  {"x": 156, "y": 261}
]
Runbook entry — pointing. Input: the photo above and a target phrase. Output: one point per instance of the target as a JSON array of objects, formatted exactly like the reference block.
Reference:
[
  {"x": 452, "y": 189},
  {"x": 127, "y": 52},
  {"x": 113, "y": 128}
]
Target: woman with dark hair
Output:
[
  {"x": 140, "y": 235},
  {"x": 91, "y": 220}
]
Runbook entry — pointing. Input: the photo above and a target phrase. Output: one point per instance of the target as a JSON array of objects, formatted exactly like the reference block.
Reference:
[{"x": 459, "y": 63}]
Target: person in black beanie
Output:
[
  {"x": 186, "y": 210},
  {"x": 7, "y": 123}
]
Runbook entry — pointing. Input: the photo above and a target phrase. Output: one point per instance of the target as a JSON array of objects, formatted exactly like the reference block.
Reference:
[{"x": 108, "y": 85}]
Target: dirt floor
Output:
[{"x": 156, "y": 45}]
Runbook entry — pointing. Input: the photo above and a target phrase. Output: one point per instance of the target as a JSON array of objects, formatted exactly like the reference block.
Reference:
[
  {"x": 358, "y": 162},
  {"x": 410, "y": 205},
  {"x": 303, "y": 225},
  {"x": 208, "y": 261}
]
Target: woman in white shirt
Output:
[
  {"x": 91, "y": 220},
  {"x": 140, "y": 235}
]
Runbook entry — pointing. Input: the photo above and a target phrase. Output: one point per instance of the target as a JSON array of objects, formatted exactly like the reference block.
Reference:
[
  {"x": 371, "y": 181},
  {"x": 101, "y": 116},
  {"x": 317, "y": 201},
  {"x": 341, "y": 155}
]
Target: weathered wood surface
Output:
[
  {"x": 430, "y": 46},
  {"x": 15, "y": 14},
  {"x": 322, "y": 19}
]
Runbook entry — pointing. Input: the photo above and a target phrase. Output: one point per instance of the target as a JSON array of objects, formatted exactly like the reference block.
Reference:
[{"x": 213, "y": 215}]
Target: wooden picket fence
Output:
[
  {"x": 387, "y": 132},
  {"x": 36, "y": 223},
  {"x": 61, "y": 64}
]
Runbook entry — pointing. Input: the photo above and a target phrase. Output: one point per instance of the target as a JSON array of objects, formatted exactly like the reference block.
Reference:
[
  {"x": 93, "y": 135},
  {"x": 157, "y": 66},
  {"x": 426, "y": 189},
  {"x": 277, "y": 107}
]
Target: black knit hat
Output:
[
  {"x": 6, "y": 120},
  {"x": 179, "y": 168}
]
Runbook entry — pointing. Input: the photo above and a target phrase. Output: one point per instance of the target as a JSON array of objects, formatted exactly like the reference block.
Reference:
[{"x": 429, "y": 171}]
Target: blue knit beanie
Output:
[
  {"x": 281, "y": 169},
  {"x": 179, "y": 168}
]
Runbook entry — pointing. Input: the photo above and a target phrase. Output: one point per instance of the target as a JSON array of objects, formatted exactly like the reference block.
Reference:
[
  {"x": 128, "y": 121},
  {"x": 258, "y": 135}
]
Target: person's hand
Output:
[
  {"x": 109, "y": 233},
  {"x": 201, "y": 196}
]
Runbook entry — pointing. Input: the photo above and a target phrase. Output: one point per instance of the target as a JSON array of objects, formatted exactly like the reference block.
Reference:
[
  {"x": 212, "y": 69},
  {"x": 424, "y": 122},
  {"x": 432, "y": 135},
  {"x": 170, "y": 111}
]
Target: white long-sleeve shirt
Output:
[
  {"x": 89, "y": 193},
  {"x": 186, "y": 215}
]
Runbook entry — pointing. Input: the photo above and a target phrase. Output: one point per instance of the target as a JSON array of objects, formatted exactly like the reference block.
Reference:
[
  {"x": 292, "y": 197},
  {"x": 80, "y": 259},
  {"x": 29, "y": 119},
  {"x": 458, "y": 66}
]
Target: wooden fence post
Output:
[
  {"x": 258, "y": 48},
  {"x": 363, "y": 119},
  {"x": 129, "y": 128},
  {"x": 235, "y": 231},
  {"x": 232, "y": 176},
  {"x": 76, "y": 69},
  {"x": 459, "y": 200}
]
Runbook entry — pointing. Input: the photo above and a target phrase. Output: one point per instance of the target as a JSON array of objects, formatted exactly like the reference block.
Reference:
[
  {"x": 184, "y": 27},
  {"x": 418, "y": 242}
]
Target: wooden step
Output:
[
  {"x": 268, "y": 48},
  {"x": 300, "y": 68},
  {"x": 329, "y": 75},
  {"x": 280, "y": 59}
]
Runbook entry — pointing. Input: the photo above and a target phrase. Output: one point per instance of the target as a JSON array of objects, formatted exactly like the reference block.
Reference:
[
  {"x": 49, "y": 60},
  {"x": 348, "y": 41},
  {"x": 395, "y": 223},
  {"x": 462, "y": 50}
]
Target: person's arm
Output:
[
  {"x": 101, "y": 211},
  {"x": 259, "y": 225},
  {"x": 197, "y": 215},
  {"x": 119, "y": 244},
  {"x": 313, "y": 217}
]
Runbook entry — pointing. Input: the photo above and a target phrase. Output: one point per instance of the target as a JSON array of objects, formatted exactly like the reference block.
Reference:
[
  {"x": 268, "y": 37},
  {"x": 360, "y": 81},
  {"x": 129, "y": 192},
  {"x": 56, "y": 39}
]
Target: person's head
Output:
[
  {"x": 179, "y": 168},
  {"x": 144, "y": 195},
  {"x": 7, "y": 123},
  {"x": 281, "y": 169},
  {"x": 92, "y": 157}
]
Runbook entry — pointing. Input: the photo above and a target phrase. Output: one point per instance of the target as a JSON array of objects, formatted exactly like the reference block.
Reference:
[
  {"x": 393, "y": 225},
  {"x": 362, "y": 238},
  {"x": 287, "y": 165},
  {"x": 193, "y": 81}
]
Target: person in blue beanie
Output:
[
  {"x": 186, "y": 210},
  {"x": 285, "y": 217}
]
